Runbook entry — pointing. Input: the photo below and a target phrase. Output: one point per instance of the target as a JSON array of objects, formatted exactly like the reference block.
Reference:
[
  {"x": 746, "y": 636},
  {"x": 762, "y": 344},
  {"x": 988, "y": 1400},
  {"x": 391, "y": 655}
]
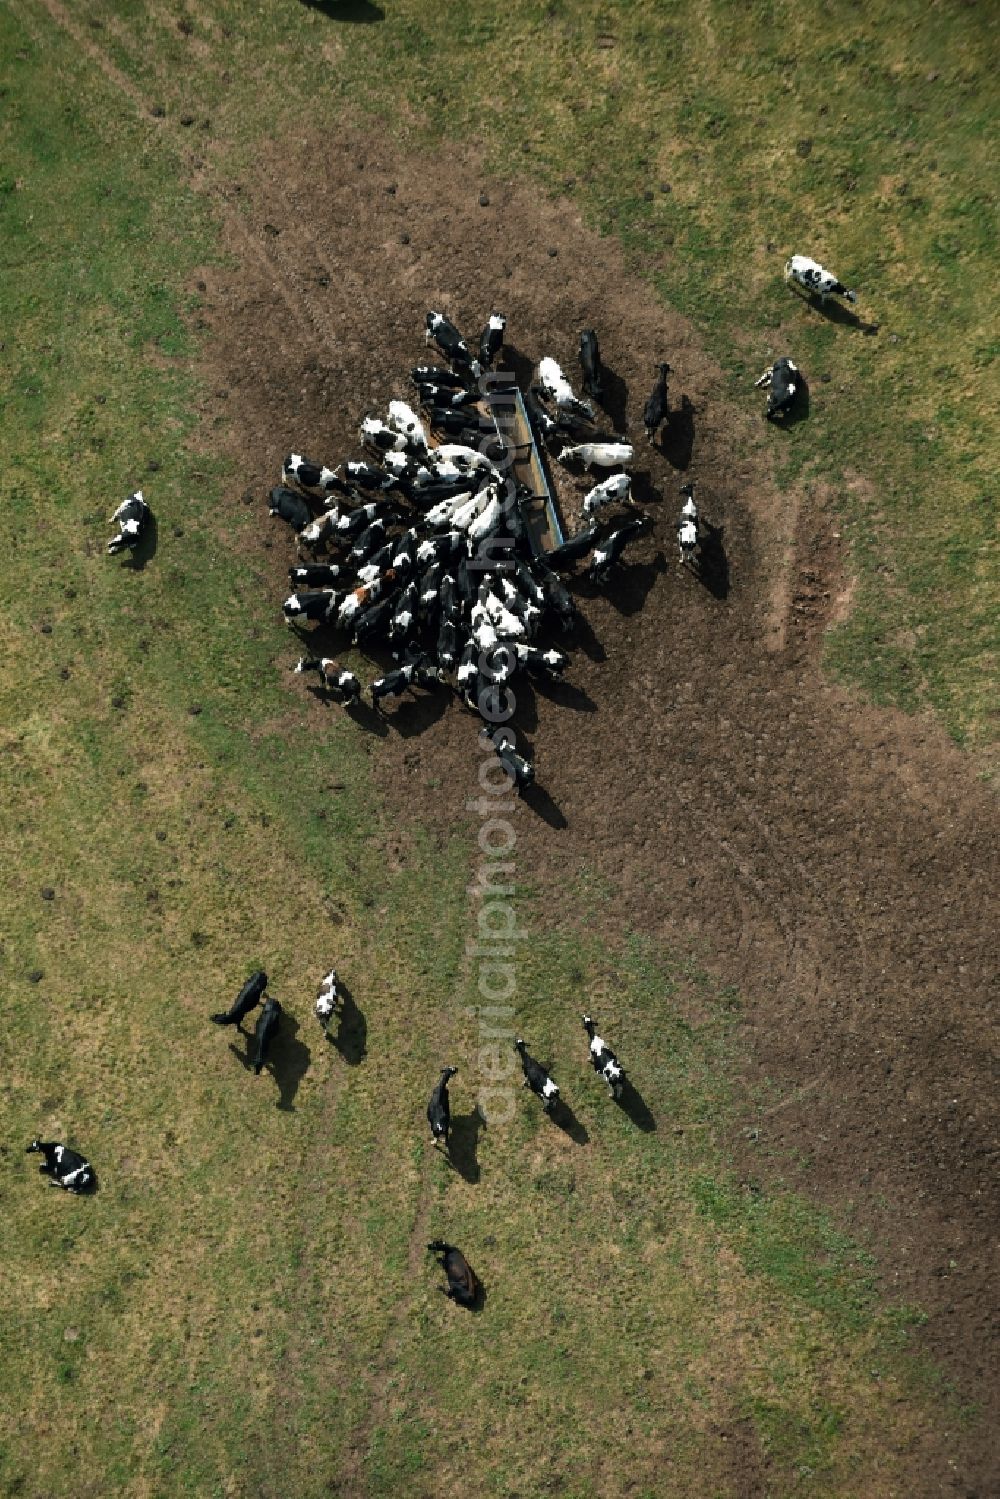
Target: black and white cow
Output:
[
  {"x": 64, "y": 1167},
  {"x": 590, "y": 362},
  {"x": 343, "y": 686},
  {"x": 537, "y": 1078},
  {"x": 393, "y": 684},
  {"x": 812, "y": 276},
  {"x": 654, "y": 413},
  {"x": 782, "y": 382},
  {"x": 439, "y": 1109},
  {"x": 557, "y": 389},
  {"x": 289, "y": 506},
  {"x": 550, "y": 663},
  {"x": 316, "y": 607},
  {"x": 315, "y": 575},
  {"x": 463, "y": 1283},
  {"x": 315, "y": 478},
  {"x": 248, "y": 999},
  {"x": 448, "y": 339},
  {"x": 615, "y": 490},
  {"x": 328, "y": 1000},
  {"x": 264, "y": 1032},
  {"x": 599, "y": 454},
  {"x": 434, "y": 374},
  {"x": 687, "y": 526},
  {"x": 604, "y": 1061},
  {"x": 133, "y": 516},
  {"x": 404, "y": 615},
  {"x": 607, "y": 555},
  {"x": 491, "y": 340},
  {"x": 520, "y": 770}
]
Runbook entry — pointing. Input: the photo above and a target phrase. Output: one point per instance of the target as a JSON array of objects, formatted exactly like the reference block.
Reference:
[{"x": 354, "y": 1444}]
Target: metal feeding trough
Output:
[{"x": 540, "y": 513}]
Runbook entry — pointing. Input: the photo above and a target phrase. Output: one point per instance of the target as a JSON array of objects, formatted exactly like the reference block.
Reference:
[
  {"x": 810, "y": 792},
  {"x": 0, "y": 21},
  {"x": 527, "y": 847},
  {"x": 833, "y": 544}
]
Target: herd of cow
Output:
[{"x": 428, "y": 552}]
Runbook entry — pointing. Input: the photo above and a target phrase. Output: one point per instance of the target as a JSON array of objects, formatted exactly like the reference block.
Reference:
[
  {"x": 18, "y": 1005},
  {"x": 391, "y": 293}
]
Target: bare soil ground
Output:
[{"x": 836, "y": 862}]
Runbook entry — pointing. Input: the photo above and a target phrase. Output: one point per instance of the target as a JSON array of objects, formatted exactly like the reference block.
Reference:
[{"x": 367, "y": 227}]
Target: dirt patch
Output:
[{"x": 834, "y": 861}]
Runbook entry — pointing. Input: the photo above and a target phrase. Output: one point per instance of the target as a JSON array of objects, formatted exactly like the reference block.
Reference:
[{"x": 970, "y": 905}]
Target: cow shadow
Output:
[
  {"x": 634, "y": 1105},
  {"x": 797, "y": 412},
  {"x": 367, "y": 718},
  {"x": 836, "y": 312},
  {"x": 712, "y": 568},
  {"x": 145, "y": 548},
  {"x": 541, "y": 803},
  {"x": 643, "y": 490},
  {"x": 463, "y": 1144},
  {"x": 563, "y": 1116},
  {"x": 565, "y": 694},
  {"x": 351, "y": 1038},
  {"x": 614, "y": 397},
  {"x": 413, "y": 715},
  {"x": 287, "y": 1059},
  {"x": 628, "y": 587},
  {"x": 677, "y": 435},
  {"x": 584, "y": 637},
  {"x": 521, "y": 366},
  {"x": 360, "y": 12}
]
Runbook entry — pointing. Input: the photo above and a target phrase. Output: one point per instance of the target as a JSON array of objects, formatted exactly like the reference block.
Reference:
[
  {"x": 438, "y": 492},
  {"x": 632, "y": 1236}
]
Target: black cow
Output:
[
  {"x": 248, "y": 998},
  {"x": 64, "y": 1167},
  {"x": 655, "y": 410},
  {"x": 563, "y": 557},
  {"x": 463, "y": 1283},
  {"x": 267, "y": 1025},
  {"x": 590, "y": 361},
  {"x": 318, "y": 606},
  {"x": 439, "y": 1109},
  {"x": 289, "y": 506},
  {"x": 315, "y": 575}
]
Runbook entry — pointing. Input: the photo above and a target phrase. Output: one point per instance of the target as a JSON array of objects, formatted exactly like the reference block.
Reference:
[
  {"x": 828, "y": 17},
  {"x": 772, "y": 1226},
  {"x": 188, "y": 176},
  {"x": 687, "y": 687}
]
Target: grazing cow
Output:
[
  {"x": 557, "y": 388},
  {"x": 590, "y": 361},
  {"x": 314, "y": 478},
  {"x": 782, "y": 387},
  {"x": 64, "y": 1167},
  {"x": 463, "y": 1283},
  {"x": 608, "y": 553},
  {"x": 264, "y": 1030},
  {"x": 248, "y": 999},
  {"x": 536, "y": 1078},
  {"x": 819, "y": 282},
  {"x": 599, "y": 454},
  {"x": 133, "y": 516},
  {"x": 687, "y": 526},
  {"x": 289, "y": 506},
  {"x": 604, "y": 1061},
  {"x": 328, "y": 1000},
  {"x": 316, "y": 575},
  {"x": 439, "y": 1109},
  {"x": 491, "y": 340},
  {"x": 655, "y": 410},
  {"x": 343, "y": 686},
  {"x": 550, "y": 663},
  {"x": 311, "y": 606},
  {"x": 612, "y": 491}
]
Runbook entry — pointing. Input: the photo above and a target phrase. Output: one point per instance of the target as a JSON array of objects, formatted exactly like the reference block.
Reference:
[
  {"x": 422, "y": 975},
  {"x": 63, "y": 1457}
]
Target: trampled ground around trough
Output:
[{"x": 776, "y": 899}]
